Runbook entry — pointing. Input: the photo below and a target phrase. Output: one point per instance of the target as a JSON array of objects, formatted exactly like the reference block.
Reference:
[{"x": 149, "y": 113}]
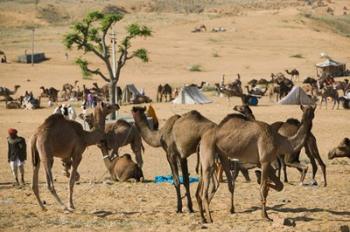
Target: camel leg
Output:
[
  {"x": 136, "y": 147},
  {"x": 292, "y": 160},
  {"x": 244, "y": 172},
  {"x": 48, "y": 166},
  {"x": 312, "y": 149},
  {"x": 199, "y": 193},
  {"x": 35, "y": 185},
  {"x": 184, "y": 168},
  {"x": 175, "y": 172},
  {"x": 283, "y": 166},
  {"x": 75, "y": 164},
  {"x": 264, "y": 189},
  {"x": 219, "y": 171},
  {"x": 225, "y": 163}
]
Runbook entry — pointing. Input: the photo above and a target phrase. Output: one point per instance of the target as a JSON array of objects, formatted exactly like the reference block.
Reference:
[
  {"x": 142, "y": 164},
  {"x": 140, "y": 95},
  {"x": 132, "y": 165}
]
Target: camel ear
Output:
[
  {"x": 347, "y": 141},
  {"x": 81, "y": 116},
  {"x": 302, "y": 107},
  {"x": 236, "y": 108}
]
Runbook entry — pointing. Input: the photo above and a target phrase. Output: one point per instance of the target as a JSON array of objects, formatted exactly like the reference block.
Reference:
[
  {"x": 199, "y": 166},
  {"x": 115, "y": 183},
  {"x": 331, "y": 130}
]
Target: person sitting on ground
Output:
[{"x": 17, "y": 154}]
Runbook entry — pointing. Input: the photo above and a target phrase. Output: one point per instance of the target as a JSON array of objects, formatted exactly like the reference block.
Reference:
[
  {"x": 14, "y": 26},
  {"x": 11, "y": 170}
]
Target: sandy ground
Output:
[{"x": 257, "y": 43}]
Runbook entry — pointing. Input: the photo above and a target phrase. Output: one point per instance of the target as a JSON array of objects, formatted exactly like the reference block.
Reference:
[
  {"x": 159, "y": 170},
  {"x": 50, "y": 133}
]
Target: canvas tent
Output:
[
  {"x": 296, "y": 96},
  {"x": 191, "y": 95},
  {"x": 129, "y": 92},
  {"x": 27, "y": 58},
  {"x": 330, "y": 68}
]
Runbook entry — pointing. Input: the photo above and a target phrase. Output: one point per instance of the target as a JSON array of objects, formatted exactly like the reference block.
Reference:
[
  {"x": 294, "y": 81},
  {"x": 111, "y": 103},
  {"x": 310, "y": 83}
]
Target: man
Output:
[{"x": 17, "y": 154}]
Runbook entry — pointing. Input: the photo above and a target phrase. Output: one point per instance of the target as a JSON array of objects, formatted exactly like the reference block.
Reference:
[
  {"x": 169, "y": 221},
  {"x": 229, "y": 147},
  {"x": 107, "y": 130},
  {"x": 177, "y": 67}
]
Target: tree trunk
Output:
[{"x": 111, "y": 91}]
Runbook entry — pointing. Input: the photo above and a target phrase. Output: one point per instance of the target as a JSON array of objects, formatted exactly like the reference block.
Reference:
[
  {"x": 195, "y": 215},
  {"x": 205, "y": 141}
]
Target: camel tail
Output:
[{"x": 35, "y": 153}]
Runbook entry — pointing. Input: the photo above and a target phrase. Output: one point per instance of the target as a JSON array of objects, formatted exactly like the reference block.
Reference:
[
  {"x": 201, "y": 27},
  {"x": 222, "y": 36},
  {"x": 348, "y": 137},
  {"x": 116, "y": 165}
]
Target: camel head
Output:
[
  {"x": 88, "y": 118},
  {"x": 342, "y": 150},
  {"x": 17, "y": 86},
  {"x": 308, "y": 112},
  {"x": 138, "y": 112},
  {"x": 103, "y": 109},
  {"x": 245, "y": 110}
]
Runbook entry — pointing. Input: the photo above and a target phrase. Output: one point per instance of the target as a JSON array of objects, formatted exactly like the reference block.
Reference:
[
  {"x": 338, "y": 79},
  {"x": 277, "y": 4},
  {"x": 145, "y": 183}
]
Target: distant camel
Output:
[
  {"x": 164, "y": 91},
  {"x": 198, "y": 86},
  {"x": 201, "y": 28},
  {"x": 342, "y": 150},
  {"x": 329, "y": 91},
  {"x": 64, "y": 139},
  {"x": 122, "y": 168},
  {"x": 50, "y": 93},
  {"x": 294, "y": 74},
  {"x": 6, "y": 93},
  {"x": 233, "y": 91},
  {"x": 284, "y": 85},
  {"x": 15, "y": 104}
]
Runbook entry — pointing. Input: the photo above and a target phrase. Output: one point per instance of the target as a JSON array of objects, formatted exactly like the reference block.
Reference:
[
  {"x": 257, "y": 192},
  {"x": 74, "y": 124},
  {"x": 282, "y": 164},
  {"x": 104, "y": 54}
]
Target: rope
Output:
[{"x": 92, "y": 186}]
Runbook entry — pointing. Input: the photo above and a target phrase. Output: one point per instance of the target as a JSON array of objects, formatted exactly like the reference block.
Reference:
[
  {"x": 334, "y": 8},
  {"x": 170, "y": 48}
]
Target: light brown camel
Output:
[
  {"x": 15, "y": 104},
  {"x": 64, "y": 139},
  {"x": 176, "y": 144},
  {"x": 251, "y": 142},
  {"x": 6, "y": 93},
  {"x": 290, "y": 128},
  {"x": 119, "y": 134},
  {"x": 122, "y": 168},
  {"x": 294, "y": 73},
  {"x": 50, "y": 93},
  {"x": 340, "y": 151}
]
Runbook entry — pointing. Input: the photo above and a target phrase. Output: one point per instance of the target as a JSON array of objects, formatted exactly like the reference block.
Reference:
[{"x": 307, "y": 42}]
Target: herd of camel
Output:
[{"x": 239, "y": 136}]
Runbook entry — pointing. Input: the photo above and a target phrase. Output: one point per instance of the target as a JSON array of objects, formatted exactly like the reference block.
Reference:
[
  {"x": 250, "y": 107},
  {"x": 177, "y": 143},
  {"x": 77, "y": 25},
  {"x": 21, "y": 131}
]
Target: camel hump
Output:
[
  {"x": 293, "y": 121},
  {"x": 52, "y": 119},
  {"x": 233, "y": 116},
  {"x": 195, "y": 114},
  {"x": 121, "y": 122}
]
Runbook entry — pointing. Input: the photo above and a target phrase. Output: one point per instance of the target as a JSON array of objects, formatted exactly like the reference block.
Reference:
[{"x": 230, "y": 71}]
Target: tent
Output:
[
  {"x": 191, "y": 95},
  {"x": 129, "y": 92},
  {"x": 330, "y": 68},
  {"x": 296, "y": 96}
]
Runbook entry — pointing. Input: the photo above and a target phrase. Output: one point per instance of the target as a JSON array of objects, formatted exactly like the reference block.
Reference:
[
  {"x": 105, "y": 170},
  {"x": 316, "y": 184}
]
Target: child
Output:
[{"x": 17, "y": 154}]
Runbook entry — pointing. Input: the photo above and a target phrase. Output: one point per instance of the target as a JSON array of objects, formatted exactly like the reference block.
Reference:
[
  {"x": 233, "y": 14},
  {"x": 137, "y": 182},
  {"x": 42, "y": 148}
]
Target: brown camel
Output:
[
  {"x": 233, "y": 91},
  {"x": 288, "y": 129},
  {"x": 342, "y": 150},
  {"x": 198, "y": 86},
  {"x": 64, "y": 139},
  {"x": 122, "y": 168},
  {"x": 6, "y": 93},
  {"x": 176, "y": 144},
  {"x": 14, "y": 104},
  {"x": 329, "y": 91},
  {"x": 164, "y": 91},
  {"x": 119, "y": 134},
  {"x": 294, "y": 73},
  {"x": 50, "y": 93},
  {"x": 250, "y": 142}
]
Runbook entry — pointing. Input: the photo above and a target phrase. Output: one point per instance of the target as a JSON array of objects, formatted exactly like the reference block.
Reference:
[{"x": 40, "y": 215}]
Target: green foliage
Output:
[
  {"x": 196, "y": 68},
  {"x": 91, "y": 36},
  {"x": 83, "y": 64},
  {"x": 338, "y": 24}
]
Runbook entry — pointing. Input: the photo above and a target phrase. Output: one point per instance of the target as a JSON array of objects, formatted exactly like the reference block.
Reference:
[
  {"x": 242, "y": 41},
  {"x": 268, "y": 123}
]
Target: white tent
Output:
[
  {"x": 191, "y": 95},
  {"x": 129, "y": 92},
  {"x": 296, "y": 96}
]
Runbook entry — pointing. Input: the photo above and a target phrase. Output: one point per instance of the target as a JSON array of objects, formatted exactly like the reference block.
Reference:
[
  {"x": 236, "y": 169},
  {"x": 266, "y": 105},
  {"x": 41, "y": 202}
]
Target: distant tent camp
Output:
[
  {"x": 27, "y": 58},
  {"x": 129, "y": 92},
  {"x": 296, "y": 96},
  {"x": 330, "y": 68},
  {"x": 191, "y": 95}
]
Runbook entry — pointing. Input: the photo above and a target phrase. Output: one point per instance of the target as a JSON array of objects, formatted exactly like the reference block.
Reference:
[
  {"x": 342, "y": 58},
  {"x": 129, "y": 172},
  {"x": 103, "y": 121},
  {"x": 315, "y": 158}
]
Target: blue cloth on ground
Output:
[{"x": 169, "y": 179}]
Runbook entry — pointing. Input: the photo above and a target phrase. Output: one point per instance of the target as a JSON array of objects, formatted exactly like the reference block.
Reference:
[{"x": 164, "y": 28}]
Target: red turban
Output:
[{"x": 12, "y": 131}]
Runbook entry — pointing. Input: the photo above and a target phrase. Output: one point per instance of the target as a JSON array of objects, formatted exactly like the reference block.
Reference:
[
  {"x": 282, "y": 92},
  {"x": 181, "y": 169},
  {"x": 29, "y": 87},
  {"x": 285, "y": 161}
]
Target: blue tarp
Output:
[{"x": 169, "y": 179}]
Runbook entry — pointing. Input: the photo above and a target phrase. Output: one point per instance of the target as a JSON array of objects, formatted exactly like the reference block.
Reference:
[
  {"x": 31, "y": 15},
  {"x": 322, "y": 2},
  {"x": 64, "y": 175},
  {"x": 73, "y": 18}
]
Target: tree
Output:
[{"x": 90, "y": 36}]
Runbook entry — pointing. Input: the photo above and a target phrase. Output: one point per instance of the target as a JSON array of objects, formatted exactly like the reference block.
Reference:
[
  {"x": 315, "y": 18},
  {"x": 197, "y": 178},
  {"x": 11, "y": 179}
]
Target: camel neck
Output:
[
  {"x": 298, "y": 140},
  {"x": 151, "y": 137}
]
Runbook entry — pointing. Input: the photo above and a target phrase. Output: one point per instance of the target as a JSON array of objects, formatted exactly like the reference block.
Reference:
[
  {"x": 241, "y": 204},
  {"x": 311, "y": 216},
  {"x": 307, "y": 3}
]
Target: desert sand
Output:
[{"x": 260, "y": 39}]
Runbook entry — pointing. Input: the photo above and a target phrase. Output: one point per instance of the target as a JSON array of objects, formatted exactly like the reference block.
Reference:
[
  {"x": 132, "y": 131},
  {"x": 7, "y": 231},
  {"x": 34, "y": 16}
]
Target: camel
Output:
[
  {"x": 329, "y": 91},
  {"x": 6, "y": 93},
  {"x": 176, "y": 144},
  {"x": 64, "y": 139},
  {"x": 15, "y": 104},
  {"x": 201, "y": 28},
  {"x": 234, "y": 91},
  {"x": 284, "y": 85},
  {"x": 164, "y": 91},
  {"x": 251, "y": 142},
  {"x": 288, "y": 129},
  {"x": 119, "y": 134},
  {"x": 122, "y": 168},
  {"x": 50, "y": 93},
  {"x": 104, "y": 91},
  {"x": 294, "y": 73},
  {"x": 342, "y": 150}
]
